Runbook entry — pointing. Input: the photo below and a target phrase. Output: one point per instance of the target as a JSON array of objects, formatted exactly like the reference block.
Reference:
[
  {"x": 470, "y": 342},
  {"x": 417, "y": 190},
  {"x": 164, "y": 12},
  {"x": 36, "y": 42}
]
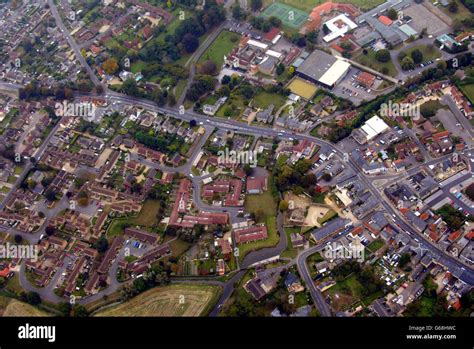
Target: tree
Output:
[
  {"x": 453, "y": 6},
  {"x": 392, "y": 14},
  {"x": 382, "y": 55},
  {"x": 79, "y": 310},
  {"x": 407, "y": 63},
  {"x": 237, "y": 12},
  {"x": 280, "y": 69},
  {"x": 18, "y": 238},
  {"x": 110, "y": 66},
  {"x": 208, "y": 68},
  {"x": 326, "y": 176},
  {"x": 33, "y": 298},
  {"x": 190, "y": 43},
  {"x": 259, "y": 215},
  {"x": 283, "y": 205},
  {"x": 417, "y": 56},
  {"x": 101, "y": 244},
  {"x": 50, "y": 230},
  {"x": 50, "y": 194},
  {"x": 255, "y": 5},
  {"x": 404, "y": 260}
]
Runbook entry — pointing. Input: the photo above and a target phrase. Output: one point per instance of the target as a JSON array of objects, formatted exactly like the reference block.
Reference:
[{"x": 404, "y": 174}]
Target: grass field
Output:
[
  {"x": 430, "y": 52},
  {"x": 146, "y": 217},
  {"x": 302, "y": 88},
  {"x": 175, "y": 300},
  {"x": 264, "y": 99},
  {"x": 290, "y": 16},
  {"x": 14, "y": 308},
  {"x": 308, "y": 5},
  {"x": 468, "y": 90},
  {"x": 370, "y": 61},
  {"x": 375, "y": 245},
  {"x": 220, "y": 47},
  {"x": 265, "y": 202}
]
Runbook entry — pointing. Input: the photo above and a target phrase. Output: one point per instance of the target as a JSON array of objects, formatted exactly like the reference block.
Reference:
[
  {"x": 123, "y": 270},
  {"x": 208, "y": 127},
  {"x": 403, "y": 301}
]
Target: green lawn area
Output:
[
  {"x": 430, "y": 52},
  {"x": 265, "y": 202},
  {"x": 370, "y": 61},
  {"x": 468, "y": 90},
  {"x": 461, "y": 14},
  {"x": 220, "y": 47},
  {"x": 146, "y": 217},
  {"x": 18, "y": 170},
  {"x": 290, "y": 252},
  {"x": 5, "y": 189},
  {"x": 264, "y": 99},
  {"x": 137, "y": 66},
  {"x": 233, "y": 107},
  {"x": 375, "y": 245},
  {"x": 311, "y": 261}
]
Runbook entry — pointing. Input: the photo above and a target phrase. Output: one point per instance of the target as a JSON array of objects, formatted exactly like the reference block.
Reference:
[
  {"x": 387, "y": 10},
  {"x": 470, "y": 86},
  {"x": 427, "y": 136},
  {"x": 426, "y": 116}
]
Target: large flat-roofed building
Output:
[
  {"x": 322, "y": 68},
  {"x": 338, "y": 26},
  {"x": 371, "y": 129}
]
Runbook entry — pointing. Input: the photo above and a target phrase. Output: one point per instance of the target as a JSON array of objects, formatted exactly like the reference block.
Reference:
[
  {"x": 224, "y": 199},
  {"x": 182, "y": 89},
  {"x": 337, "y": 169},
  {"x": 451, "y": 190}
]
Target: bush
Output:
[{"x": 382, "y": 55}]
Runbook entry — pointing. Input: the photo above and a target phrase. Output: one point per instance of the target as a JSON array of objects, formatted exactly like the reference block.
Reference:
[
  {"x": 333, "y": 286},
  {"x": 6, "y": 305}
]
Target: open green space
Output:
[
  {"x": 370, "y": 61},
  {"x": 375, "y": 245},
  {"x": 429, "y": 52},
  {"x": 146, "y": 217},
  {"x": 221, "y": 46},
  {"x": 263, "y": 99},
  {"x": 468, "y": 90}
]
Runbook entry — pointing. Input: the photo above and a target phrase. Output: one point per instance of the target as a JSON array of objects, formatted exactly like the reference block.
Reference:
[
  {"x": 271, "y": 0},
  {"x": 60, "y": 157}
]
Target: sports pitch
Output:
[
  {"x": 289, "y": 16},
  {"x": 302, "y": 88}
]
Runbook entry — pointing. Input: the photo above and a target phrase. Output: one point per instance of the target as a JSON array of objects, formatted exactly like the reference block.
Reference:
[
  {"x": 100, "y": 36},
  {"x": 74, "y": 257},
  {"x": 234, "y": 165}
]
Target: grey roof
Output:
[
  {"x": 316, "y": 64},
  {"x": 330, "y": 228}
]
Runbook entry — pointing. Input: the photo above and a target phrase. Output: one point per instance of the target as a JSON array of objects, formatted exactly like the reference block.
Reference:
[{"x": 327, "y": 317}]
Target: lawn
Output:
[
  {"x": 311, "y": 261},
  {"x": 345, "y": 292},
  {"x": 375, "y": 245},
  {"x": 265, "y": 202},
  {"x": 146, "y": 217},
  {"x": 430, "y": 52},
  {"x": 370, "y": 61},
  {"x": 264, "y": 99},
  {"x": 220, "y": 47},
  {"x": 175, "y": 300},
  {"x": 233, "y": 107},
  {"x": 290, "y": 252},
  {"x": 468, "y": 90}
]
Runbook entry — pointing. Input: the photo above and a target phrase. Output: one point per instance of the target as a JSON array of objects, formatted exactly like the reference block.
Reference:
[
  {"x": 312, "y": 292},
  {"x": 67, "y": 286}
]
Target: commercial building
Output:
[{"x": 322, "y": 68}]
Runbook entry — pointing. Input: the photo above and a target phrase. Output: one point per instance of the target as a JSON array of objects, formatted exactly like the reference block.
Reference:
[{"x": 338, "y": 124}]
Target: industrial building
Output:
[{"x": 323, "y": 69}]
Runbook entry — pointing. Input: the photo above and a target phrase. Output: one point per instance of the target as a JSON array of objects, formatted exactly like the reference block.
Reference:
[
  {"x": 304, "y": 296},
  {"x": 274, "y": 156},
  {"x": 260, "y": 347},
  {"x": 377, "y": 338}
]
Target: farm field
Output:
[
  {"x": 175, "y": 300},
  {"x": 14, "y": 308},
  {"x": 220, "y": 47}
]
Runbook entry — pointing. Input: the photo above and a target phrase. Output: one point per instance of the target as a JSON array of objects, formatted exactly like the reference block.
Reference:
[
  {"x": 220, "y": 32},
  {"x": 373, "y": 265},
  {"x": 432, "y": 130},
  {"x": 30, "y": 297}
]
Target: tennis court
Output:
[{"x": 289, "y": 16}]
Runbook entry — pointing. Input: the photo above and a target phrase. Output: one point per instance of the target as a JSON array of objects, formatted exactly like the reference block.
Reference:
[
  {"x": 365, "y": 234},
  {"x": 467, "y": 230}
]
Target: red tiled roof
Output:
[{"x": 385, "y": 20}]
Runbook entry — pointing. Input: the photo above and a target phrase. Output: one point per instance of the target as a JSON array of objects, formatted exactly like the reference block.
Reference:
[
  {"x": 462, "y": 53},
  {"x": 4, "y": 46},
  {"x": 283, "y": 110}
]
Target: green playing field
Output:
[{"x": 290, "y": 16}]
